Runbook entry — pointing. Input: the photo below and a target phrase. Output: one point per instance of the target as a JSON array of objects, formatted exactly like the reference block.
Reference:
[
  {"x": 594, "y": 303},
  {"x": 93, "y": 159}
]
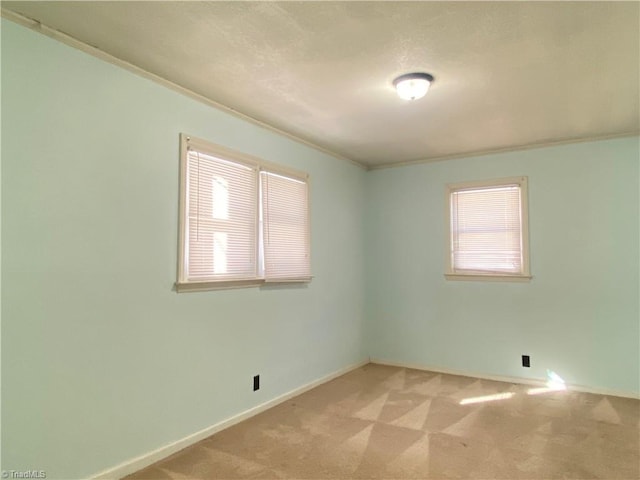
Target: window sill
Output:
[
  {"x": 182, "y": 287},
  {"x": 489, "y": 277}
]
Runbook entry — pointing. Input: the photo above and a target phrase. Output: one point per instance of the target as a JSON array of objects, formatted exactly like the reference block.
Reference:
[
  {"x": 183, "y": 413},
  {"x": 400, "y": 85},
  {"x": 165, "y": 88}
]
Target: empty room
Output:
[{"x": 320, "y": 240}]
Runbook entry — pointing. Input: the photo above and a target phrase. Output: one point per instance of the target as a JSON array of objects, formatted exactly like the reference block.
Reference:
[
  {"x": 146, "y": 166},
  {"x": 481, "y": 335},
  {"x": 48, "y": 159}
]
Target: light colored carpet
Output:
[{"x": 388, "y": 422}]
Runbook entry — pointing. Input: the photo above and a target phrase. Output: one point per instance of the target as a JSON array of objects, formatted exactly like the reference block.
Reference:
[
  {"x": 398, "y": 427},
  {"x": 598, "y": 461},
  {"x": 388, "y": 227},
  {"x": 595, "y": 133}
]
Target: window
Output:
[
  {"x": 243, "y": 221},
  {"x": 488, "y": 232}
]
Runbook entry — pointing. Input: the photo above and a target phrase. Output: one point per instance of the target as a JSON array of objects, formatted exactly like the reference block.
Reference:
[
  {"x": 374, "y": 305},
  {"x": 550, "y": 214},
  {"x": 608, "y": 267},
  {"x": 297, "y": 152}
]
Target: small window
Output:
[
  {"x": 243, "y": 222},
  {"x": 488, "y": 231}
]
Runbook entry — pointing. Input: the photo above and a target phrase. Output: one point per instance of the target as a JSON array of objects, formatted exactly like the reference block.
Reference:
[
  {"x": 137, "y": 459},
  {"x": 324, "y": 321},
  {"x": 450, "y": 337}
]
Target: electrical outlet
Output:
[
  {"x": 526, "y": 361},
  {"x": 256, "y": 382}
]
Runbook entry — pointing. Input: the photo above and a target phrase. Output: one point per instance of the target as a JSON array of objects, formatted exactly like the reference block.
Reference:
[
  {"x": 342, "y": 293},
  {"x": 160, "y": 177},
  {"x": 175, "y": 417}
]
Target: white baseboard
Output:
[
  {"x": 500, "y": 378},
  {"x": 144, "y": 460}
]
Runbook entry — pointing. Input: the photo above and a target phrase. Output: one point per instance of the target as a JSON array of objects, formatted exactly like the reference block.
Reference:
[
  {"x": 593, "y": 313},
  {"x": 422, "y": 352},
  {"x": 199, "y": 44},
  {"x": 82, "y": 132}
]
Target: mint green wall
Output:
[
  {"x": 578, "y": 316},
  {"x": 101, "y": 360}
]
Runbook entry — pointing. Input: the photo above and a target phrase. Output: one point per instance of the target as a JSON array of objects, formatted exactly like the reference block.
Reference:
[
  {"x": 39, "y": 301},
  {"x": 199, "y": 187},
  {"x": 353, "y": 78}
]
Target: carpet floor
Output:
[{"x": 381, "y": 422}]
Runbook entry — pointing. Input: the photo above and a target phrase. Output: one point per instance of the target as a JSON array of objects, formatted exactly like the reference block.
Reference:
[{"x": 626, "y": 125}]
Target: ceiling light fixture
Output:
[{"x": 412, "y": 86}]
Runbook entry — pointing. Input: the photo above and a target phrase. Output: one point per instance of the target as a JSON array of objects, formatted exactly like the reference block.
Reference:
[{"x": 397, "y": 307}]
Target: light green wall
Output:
[
  {"x": 101, "y": 360},
  {"x": 578, "y": 316}
]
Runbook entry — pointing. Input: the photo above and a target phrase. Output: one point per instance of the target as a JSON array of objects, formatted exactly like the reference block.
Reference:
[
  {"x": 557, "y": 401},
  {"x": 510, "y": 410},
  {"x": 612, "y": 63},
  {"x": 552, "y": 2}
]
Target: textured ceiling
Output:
[{"x": 507, "y": 74}]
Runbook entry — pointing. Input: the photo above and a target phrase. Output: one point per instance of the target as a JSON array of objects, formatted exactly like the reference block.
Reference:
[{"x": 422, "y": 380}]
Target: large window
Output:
[
  {"x": 488, "y": 232},
  {"x": 243, "y": 221}
]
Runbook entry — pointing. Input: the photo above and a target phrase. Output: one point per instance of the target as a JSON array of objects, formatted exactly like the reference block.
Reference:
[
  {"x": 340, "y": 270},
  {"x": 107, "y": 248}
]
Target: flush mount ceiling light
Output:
[{"x": 412, "y": 86}]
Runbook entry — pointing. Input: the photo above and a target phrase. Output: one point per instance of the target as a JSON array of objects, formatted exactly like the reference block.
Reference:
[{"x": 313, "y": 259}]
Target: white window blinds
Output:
[
  {"x": 221, "y": 223},
  {"x": 242, "y": 221},
  {"x": 285, "y": 227},
  {"x": 487, "y": 235}
]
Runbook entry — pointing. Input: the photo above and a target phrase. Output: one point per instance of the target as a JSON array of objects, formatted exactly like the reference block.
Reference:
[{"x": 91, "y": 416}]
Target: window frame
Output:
[
  {"x": 183, "y": 284},
  {"x": 525, "y": 274}
]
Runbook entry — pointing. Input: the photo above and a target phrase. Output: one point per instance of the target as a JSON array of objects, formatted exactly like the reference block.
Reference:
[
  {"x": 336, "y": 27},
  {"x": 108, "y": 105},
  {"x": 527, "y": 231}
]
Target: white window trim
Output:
[
  {"x": 525, "y": 275},
  {"x": 183, "y": 284}
]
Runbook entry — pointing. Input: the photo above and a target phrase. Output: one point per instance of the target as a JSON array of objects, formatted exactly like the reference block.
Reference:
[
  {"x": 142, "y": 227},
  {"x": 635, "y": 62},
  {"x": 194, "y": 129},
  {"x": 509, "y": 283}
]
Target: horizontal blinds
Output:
[
  {"x": 486, "y": 230},
  {"x": 221, "y": 219},
  {"x": 286, "y": 240}
]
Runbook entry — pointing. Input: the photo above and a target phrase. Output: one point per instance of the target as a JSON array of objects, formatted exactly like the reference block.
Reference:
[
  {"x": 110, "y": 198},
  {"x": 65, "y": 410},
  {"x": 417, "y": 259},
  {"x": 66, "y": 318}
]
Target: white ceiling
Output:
[{"x": 507, "y": 74}]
